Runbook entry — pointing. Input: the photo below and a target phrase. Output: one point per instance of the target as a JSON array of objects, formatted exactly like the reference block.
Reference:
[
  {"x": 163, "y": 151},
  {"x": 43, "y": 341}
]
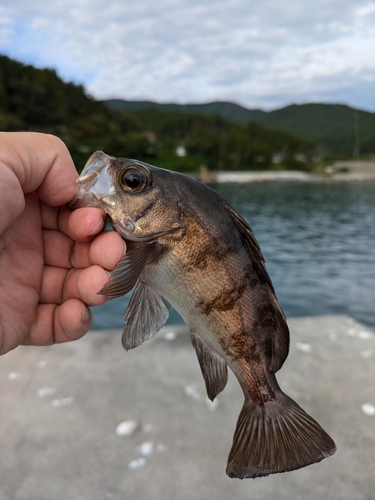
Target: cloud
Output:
[{"x": 261, "y": 54}]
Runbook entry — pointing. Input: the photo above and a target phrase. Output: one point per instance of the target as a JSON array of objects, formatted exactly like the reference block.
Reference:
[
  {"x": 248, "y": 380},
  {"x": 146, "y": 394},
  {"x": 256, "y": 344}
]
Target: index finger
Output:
[
  {"x": 81, "y": 225},
  {"x": 41, "y": 163}
]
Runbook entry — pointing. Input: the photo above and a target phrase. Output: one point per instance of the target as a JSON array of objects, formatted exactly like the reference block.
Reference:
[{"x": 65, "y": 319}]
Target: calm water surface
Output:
[{"x": 318, "y": 240}]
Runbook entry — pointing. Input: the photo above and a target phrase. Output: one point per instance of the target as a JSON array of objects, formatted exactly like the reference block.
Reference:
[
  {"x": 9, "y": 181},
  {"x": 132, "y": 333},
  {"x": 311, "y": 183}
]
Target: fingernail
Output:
[
  {"x": 99, "y": 225},
  {"x": 86, "y": 315}
]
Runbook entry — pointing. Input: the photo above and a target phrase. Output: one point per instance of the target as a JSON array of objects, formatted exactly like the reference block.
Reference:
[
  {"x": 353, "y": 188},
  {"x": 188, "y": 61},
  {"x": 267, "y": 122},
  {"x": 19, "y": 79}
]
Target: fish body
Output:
[{"x": 187, "y": 247}]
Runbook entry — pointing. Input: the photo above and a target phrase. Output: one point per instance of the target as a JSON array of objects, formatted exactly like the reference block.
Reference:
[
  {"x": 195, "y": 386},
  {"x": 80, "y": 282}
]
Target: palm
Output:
[{"x": 21, "y": 270}]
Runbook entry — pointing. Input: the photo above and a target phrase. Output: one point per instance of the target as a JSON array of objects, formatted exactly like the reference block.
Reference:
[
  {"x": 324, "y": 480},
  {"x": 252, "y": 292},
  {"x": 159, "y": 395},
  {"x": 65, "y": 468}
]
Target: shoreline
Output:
[
  {"x": 338, "y": 171},
  {"x": 282, "y": 175}
]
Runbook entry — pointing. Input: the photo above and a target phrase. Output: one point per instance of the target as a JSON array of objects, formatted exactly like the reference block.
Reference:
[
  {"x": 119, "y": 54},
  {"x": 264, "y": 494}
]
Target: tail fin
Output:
[{"x": 278, "y": 437}]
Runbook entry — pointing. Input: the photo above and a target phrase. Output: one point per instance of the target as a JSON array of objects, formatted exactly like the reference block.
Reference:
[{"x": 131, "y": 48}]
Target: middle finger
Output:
[
  {"x": 62, "y": 251},
  {"x": 59, "y": 285}
]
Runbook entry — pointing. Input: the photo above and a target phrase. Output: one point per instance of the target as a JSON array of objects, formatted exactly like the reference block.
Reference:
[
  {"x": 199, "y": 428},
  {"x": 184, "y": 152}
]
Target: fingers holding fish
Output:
[
  {"x": 82, "y": 225},
  {"x": 59, "y": 323},
  {"x": 107, "y": 249},
  {"x": 63, "y": 314},
  {"x": 74, "y": 239},
  {"x": 57, "y": 249},
  {"x": 59, "y": 285},
  {"x": 61, "y": 251}
]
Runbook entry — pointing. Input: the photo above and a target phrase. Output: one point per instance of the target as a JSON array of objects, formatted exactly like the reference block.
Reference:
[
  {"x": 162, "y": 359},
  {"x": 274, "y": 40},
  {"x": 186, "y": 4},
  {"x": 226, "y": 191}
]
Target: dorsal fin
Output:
[
  {"x": 280, "y": 331},
  {"x": 251, "y": 245}
]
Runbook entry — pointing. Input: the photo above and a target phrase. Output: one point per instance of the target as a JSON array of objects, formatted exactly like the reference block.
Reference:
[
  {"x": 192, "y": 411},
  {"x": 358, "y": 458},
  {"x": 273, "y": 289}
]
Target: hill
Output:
[
  {"x": 221, "y": 144},
  {"x": 183, "y": 139},
  {"x": 34, "y": 99},
  {"x": 228, "y": 110},
  {"x": 336, "y": 129}
]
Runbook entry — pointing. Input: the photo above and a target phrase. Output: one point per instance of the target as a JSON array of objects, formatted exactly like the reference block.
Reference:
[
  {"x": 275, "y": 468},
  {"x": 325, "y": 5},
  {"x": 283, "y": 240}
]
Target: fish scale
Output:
[{"x": 187, "y": 247}]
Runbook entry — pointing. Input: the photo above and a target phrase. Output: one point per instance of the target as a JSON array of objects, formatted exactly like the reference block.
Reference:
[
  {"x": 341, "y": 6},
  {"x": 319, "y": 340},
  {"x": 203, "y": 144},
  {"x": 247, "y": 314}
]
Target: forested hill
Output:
[
  {"x": 340, "y": 129},
  {"x": 228, "y": 110},
  {"x": 335, "y": 128},
  {"x": 181, "y": 139},
  {"x": 34, "y": 99}
]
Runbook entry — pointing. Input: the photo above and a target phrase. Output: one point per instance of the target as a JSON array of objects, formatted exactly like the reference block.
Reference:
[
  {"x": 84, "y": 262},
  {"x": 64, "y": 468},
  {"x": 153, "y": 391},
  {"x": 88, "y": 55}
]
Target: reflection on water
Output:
[{"x": 318, "y": 240}]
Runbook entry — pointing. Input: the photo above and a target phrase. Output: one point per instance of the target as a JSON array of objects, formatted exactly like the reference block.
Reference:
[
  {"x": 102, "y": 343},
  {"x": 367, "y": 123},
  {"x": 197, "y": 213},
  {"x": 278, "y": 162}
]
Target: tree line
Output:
[{"x": 35, "y": 99}]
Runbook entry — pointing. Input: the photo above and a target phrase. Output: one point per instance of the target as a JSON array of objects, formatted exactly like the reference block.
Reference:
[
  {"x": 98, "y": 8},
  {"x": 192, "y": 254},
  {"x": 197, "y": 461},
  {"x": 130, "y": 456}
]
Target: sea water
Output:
[{"x": 318, "y": 240}]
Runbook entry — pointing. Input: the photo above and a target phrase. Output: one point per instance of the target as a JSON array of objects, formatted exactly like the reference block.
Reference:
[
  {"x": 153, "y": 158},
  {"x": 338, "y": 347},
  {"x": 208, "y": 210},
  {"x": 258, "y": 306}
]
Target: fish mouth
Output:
[
  {"x": 95, "y": 185},
  {"x": 146, "y": 238},
  {"x": 88, "y": 201},
  {"x": 82, "y": 199}
]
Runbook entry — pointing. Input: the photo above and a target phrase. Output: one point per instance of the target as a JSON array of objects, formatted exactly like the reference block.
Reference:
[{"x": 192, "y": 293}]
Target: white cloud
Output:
[{"x": 259, "y": 53}]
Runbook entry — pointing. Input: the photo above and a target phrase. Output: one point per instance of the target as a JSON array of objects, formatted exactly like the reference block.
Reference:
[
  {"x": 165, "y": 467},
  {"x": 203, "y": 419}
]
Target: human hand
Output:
[{"x": 52, "y": 261}]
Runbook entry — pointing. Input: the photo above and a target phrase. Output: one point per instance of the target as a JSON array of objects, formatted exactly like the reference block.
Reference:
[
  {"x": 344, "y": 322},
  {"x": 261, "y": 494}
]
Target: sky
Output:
[{"x": 258, "y": 53}]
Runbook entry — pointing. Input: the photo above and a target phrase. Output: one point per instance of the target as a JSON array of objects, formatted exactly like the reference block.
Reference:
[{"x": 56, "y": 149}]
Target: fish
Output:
[{"x": 188, "y": 248}]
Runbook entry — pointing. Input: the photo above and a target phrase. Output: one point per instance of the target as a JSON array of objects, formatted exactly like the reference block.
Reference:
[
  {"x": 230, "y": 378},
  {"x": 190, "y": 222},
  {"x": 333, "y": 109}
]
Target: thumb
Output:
[{"x": 41, "y": 163}]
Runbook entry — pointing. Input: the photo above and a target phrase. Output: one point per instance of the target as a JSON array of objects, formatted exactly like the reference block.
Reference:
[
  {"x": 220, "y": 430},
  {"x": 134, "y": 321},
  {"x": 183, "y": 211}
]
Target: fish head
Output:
[{"x": 138, "y": 198}]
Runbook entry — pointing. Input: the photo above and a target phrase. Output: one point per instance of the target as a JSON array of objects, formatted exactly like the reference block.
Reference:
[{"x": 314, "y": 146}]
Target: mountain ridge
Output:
[
  {"x": 335, "y": 128},
  {"x": 219, "y": 134}
]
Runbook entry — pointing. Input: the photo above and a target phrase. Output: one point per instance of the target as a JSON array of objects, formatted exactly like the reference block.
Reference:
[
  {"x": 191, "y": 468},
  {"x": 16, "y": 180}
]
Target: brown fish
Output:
[{"x": 187, "y": 247}]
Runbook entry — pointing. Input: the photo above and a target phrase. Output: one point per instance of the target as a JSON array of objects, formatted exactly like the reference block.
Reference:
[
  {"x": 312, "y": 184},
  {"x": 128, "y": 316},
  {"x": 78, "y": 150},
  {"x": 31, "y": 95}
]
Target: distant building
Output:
[
  {"x": 150, "y": 136},
  {"x": 181, "y": 151},
  {"x": 300, "y": 157},
  {"x": 277, "y": 157}
]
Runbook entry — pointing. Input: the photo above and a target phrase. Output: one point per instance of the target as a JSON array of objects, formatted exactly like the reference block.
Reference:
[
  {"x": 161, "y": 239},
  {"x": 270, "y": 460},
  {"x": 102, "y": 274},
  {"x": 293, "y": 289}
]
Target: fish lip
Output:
[
  {"x": 78, "y": 198},
  {"x": 94, "y": 183},
  {"x": 145, "y": 239},
  {"x": 83, "y": 199}
]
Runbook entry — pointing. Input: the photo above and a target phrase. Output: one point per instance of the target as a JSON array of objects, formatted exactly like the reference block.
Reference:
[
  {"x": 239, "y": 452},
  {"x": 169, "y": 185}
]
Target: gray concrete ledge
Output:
[{"x": 61, "y": 405}]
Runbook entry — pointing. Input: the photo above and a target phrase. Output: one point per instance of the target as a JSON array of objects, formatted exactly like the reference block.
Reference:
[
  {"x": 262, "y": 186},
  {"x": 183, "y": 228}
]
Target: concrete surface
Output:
[{"x": 61, "y": 405}]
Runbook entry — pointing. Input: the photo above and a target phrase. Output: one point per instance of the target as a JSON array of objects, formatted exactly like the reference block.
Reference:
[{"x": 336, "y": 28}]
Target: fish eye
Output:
[{"x": 133, "y": 179}]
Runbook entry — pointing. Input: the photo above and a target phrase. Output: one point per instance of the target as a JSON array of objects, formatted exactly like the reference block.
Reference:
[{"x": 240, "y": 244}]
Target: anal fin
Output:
[{"x": 213, "y": 367}]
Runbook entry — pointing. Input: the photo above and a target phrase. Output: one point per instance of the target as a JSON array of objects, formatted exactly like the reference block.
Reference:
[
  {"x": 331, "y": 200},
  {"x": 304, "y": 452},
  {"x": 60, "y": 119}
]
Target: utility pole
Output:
[{"x": 356, "y": 139}]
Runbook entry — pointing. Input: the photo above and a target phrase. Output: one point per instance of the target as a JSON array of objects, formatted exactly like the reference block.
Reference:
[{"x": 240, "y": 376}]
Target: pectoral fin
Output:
[
  {"x": 214, "y": 368},
  {"x": 128, "y": 270},
  {"x": 146, "y": 314}
]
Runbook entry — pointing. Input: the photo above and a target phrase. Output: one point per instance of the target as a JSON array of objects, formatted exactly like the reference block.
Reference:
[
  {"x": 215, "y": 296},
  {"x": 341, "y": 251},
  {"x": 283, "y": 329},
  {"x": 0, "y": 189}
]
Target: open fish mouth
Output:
[{"x": 95, "y": 184}]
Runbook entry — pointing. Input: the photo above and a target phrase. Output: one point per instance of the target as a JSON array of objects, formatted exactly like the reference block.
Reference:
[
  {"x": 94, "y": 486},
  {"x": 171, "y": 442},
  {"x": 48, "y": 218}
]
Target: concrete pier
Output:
[{"x": 88, "y": 421}]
